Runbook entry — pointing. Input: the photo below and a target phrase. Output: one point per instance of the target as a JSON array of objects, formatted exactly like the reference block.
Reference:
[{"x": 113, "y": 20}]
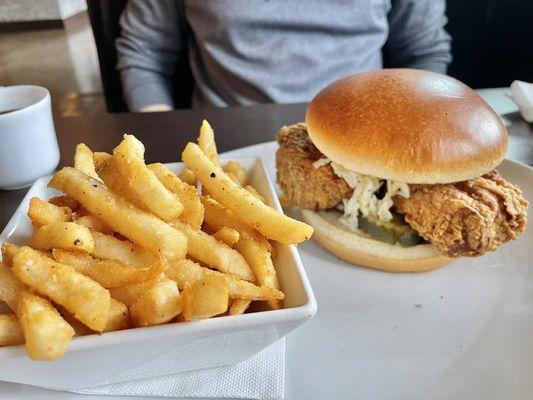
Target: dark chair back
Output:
[
  {"x": 104, "y": 16},
  {"x": 492, "y": 41}
]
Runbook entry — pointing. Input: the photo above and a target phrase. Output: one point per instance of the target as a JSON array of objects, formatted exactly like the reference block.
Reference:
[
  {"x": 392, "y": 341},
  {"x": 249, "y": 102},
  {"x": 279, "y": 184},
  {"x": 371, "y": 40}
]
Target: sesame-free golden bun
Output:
[
  {"x": 407, "y": 125},
  {"x": 362, "y": 250}
]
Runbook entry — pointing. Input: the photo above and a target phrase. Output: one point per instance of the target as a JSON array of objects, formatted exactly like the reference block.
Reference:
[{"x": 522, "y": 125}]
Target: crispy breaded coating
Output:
[
  {"x": 301, "y": 183},
  {"x": 466, "y": 218}
]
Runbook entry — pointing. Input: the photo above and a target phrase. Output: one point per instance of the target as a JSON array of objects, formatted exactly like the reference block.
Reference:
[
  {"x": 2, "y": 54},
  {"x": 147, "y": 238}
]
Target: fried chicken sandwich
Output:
[{"x": 395, "y": 169}]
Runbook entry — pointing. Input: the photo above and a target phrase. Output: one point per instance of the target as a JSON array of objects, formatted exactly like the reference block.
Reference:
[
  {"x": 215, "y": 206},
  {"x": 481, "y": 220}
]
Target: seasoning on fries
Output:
[
  {"x": 82, "y": 296},
  {"x": 247, "y": 208},
  {"x": 130, "y": 245},
  {"x": 137, "y": 225}
]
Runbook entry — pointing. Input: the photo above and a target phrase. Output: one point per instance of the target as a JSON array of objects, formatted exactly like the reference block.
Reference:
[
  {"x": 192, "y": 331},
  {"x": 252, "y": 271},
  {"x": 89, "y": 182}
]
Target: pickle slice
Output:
[{"x": 395, "y": 231}]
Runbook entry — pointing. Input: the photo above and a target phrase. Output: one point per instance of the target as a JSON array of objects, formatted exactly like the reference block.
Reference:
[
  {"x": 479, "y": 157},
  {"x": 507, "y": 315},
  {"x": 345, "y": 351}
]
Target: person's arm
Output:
[
  {"x": 147, "y": 51},
  {"x": 417, "y": 38}
]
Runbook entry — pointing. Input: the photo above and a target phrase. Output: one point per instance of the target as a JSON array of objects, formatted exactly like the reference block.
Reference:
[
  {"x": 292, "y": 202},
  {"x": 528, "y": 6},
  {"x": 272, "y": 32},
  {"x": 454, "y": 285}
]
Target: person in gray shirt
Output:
[{"x": 262, "y": 51}]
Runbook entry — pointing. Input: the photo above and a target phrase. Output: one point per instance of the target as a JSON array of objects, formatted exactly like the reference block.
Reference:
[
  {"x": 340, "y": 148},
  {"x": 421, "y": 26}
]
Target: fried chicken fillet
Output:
[
  {"x": 301, "y": 183},
  {"x": 467, "y": 218}
]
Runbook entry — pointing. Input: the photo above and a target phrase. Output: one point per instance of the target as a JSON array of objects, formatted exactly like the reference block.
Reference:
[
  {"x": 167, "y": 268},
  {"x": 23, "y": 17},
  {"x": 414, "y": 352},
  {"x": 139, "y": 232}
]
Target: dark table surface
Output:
[{"x": 165, "y": 135}]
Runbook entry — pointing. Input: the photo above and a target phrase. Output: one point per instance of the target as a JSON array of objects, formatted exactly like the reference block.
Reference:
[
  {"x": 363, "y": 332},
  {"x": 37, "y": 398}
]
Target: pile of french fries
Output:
[{"x": 131, "y": 245}]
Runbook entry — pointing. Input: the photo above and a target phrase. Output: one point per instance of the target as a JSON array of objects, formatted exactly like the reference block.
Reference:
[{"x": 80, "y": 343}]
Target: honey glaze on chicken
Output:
[{"x": 466, "y": 218}]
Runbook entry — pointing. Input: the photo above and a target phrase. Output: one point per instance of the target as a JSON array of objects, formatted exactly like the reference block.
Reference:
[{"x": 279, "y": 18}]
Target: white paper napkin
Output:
[
  {"x": 522, "y": 94},
  {"x": 260, "y": 377}
]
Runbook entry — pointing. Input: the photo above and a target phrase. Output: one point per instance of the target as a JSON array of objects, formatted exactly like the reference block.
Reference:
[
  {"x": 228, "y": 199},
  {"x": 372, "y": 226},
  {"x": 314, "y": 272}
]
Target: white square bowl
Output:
[{"x": 126, "y": 355}]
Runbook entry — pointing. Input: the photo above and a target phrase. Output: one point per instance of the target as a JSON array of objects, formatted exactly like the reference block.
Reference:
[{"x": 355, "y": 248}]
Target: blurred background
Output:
[{"x": 68, "y": 47}]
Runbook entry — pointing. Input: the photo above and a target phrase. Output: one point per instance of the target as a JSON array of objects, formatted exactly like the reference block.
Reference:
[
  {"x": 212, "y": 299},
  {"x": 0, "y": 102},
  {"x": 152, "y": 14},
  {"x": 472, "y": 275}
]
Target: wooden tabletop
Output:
[{"x": 165, "y": 134}]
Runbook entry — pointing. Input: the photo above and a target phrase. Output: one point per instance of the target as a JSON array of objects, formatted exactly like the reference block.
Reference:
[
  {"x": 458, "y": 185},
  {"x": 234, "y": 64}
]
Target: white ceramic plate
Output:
[
  {"x": 472, "y": 337},
  {"x": 123, "y": 355}
]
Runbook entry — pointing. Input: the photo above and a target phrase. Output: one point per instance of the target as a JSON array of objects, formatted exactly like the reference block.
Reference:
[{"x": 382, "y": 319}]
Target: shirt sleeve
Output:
[
  {"x": 147, "y": 50},
  {"x": 417, "y": 38}
]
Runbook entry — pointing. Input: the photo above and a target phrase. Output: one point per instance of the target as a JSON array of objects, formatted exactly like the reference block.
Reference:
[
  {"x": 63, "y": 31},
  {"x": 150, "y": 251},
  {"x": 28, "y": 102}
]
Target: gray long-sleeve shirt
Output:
[{"x": 259, "y": 51}]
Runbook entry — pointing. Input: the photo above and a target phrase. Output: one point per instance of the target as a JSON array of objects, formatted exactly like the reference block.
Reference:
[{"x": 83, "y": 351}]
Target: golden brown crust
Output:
[
  {"x": 407, "y": 125},
  {"x": 301, "y": 183},
  {"x": 467, "y": 218}
]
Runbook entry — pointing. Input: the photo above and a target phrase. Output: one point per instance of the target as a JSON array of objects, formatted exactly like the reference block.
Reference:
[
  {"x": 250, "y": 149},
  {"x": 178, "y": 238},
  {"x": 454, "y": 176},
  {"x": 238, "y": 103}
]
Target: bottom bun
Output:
[{"x": 361, "y": 250}]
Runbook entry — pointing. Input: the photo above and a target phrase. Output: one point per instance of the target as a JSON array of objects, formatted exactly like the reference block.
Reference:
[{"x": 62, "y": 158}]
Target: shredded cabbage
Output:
[
  {"x": 321, "y": 162},
  {"x": 363, "y": 199}
]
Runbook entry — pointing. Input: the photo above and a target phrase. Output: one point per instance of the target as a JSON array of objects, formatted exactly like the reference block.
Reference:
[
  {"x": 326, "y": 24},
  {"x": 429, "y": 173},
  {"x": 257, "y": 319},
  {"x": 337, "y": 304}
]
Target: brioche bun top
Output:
[{"x": 407, "y": 125}]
